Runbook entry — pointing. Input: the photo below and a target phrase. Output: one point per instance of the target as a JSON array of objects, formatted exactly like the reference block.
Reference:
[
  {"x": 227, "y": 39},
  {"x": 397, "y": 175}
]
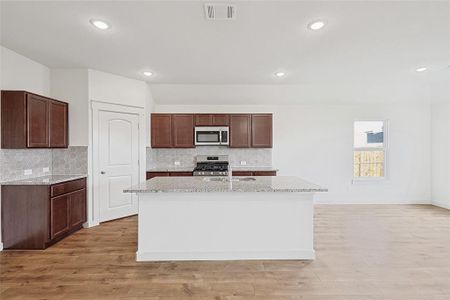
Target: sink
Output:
[{"x": 225, "y": 179}]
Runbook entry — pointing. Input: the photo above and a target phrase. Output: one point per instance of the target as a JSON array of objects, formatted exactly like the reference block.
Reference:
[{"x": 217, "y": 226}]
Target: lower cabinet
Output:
[
  {"x": 235, "y": 173},
  {"x": 151, "y": 175},
  {"x": 254, "y": 173},
  {"x": 37, "y": 216}
]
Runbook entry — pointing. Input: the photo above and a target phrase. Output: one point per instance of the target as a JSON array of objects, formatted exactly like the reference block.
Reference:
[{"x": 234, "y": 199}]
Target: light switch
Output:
[
  {"x": 46, "y": 169},
  {"x": 243, "y": 163},
  {"x": 177, "y": 163},
  {"x": 28, "y": 172}
]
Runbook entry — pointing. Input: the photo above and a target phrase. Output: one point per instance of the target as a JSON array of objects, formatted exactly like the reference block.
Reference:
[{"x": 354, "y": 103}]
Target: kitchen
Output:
[{"x": 153, "y": 149}]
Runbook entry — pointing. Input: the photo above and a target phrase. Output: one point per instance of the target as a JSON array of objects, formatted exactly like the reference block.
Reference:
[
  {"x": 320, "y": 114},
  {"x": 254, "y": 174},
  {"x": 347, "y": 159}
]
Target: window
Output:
[{"x": 369, "y": 153}]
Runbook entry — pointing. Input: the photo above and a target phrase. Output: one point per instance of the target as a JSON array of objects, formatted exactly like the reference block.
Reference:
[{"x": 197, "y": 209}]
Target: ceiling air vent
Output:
[{"x": 220, "y": 11}]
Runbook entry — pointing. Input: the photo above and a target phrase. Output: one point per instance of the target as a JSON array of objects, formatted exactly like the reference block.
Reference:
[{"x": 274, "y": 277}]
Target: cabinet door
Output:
[
  {"x": 37, "y": 122},
  {"x": 183, "y": 131},
  {"x": 58, "y": 124},
  {"x": 203, "y": 120},
  {"x": 77, "y": 208},
  {"x": 59, "y": 216},
  {"x": 265, "y": 173},
  {"x": 220, "y": 120},
  {"x": 175, "y": 174},
  {"x": 161, "y": 130},
  {"x": 240, "y": 131},
  {"x": 262, "y": 131},
  {"x": 242, "y": 173},
  {"x": 151, "y": 175}
]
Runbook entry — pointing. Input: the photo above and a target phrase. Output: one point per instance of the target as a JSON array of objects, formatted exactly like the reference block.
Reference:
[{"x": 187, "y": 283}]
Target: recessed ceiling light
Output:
[
  {"x": 421, "y": 69},
  {"x": 316, "y": 25},
  {"x": 100, "y": 24},
  {"x": 148, "y": 73},
  {"x": 280, "y": 74}
]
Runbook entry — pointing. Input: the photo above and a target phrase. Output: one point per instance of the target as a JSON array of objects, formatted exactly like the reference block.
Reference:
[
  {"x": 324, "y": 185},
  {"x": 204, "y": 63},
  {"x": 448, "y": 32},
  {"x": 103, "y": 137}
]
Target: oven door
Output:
[{"x": 205, "y": 136}]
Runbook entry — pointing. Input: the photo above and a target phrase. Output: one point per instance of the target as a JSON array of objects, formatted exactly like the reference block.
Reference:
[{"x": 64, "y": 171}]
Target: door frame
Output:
[{"x": 93, "y": 208}]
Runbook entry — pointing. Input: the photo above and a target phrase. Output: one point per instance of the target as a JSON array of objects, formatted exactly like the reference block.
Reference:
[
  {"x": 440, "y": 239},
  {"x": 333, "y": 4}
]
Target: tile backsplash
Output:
[
  {"x": 72, "y": 160},
  {"x": 168, "y": 157},
  {"x": 13, "y": 162}
]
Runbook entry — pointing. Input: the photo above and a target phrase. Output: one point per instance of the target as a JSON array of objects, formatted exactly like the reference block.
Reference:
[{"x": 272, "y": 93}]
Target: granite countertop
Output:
[
  {"x": 191, "y": 168},
  {"x": 202, "y": 184},
  {"x": 44, "y": 180}
]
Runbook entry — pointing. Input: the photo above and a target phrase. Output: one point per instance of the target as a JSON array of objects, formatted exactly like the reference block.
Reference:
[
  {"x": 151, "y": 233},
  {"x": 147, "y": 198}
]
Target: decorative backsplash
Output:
[
  {"x": 13, "y": 162},
  {"x": 168, "y": 157},
  {"x": 72, "y": 160}
]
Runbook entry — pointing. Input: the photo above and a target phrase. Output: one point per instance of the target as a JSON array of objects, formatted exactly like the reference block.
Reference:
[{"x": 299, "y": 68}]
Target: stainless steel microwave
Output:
[{"x": 205, "y": 136}]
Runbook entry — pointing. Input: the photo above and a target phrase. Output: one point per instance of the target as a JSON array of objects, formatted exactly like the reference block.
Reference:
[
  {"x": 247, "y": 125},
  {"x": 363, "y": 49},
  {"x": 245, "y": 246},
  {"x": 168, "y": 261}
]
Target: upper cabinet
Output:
[
  {"x": 33, "y": 121},
  {"x": 262, "y": 130},
  {"x": 183, "y": 130},
  {"x": 177, "y": 130},
  {"x": 161, "y": 128},
  {"x": 240, "y": 131},
  {"x": 212, "y": 120},
  {"x": 59, "y": 113},
  {"x": 172, "y": 130}
]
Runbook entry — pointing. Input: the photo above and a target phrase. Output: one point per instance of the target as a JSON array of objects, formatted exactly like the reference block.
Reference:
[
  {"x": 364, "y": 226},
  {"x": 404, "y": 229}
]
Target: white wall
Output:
[
  {"x": 71, "y": 85},
  {"x": 315, "y": 142},
  {"x": 117, "y": 89},
  {"x": 18, "y": 72},
  {"x": 440, "y": 142}
]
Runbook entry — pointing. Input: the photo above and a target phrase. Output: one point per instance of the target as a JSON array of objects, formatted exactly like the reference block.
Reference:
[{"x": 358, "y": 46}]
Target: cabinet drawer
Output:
[
  {"x": 265, "y": 173},
  {"x": 67, "y": 187},
  {"x": 242, "y": 173},
  {"x": 180, "y": 173}
]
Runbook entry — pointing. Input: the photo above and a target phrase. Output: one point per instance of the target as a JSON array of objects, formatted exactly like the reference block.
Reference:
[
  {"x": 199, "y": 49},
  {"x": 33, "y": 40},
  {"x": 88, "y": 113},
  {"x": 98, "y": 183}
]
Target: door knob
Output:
[{"x": 102, "y": 172}]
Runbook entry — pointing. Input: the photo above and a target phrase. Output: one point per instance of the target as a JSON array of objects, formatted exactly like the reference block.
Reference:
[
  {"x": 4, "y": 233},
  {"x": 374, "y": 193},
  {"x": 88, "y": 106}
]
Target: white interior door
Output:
[{"x": 118, "y": 163}]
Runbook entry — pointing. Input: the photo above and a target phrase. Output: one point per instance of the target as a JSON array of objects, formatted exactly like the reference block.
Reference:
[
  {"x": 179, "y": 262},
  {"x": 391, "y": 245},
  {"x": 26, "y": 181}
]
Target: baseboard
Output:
[
  {"x": 1, "y": 246},
  {"x": 441, "y": 204},
  {"x": 90, "y": 224},
  {"x": 229, "y": 255}
]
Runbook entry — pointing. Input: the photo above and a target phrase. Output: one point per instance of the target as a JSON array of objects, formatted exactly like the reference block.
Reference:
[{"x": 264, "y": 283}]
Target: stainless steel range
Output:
[{"x": 211, "y": 165}]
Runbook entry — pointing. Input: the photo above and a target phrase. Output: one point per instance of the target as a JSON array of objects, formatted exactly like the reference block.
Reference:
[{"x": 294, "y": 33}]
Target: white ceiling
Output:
[{"x": 375, "y": 42}]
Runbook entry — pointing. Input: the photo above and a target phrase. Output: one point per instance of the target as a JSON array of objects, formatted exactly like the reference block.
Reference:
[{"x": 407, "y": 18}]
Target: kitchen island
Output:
[{"x": 215, "y": 218}]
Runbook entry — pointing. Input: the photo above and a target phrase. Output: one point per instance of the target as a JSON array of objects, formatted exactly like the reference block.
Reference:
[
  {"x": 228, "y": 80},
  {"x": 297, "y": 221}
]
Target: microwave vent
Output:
[{"x": 220, "y": 11}]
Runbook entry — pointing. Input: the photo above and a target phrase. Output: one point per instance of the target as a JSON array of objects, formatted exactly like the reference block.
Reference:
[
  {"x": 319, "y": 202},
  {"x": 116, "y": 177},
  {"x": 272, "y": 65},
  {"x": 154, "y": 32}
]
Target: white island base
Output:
[{"x": 225, "y": 226}]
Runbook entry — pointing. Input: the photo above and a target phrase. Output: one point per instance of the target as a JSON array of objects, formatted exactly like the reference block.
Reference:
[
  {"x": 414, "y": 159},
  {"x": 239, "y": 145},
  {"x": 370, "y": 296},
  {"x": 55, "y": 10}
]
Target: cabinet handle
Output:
[{"x": 103, "y": 172}]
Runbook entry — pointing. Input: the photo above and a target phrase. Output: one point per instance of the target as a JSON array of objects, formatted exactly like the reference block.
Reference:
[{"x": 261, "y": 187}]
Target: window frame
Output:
[{"x": 385, "y": 149}]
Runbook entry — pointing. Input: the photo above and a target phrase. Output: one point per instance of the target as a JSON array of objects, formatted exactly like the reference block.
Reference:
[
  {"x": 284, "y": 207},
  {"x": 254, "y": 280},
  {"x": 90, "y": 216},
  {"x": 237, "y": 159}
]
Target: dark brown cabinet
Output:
[
  {"x": 183, "y": 131},
  {"x": 36, "y": 216},
  {"x": 212, "y": 120},
  {"x": 255, "y": 173},
  {"x": 262, "y": 130},
  {"x": 38, "y": 133},
  {"x": 177, "y": 130},
  {"x": 161, "y": 128},
  {"x": 33, "y": 121},
  {"x": 240, "y": 131},
  {"x": 59, "y": 216},
  {"x": 58, "y": 119},
  {"x": 151, "y": 175}
]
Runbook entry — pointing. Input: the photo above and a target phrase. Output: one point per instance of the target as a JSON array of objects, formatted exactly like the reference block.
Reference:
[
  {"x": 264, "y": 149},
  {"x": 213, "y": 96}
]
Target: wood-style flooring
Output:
[{"x": 363, "y": 252}]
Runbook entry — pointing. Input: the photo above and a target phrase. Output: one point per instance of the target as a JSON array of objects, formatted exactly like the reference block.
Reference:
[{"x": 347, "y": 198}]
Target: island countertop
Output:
[{"x": 222, "y": 184}]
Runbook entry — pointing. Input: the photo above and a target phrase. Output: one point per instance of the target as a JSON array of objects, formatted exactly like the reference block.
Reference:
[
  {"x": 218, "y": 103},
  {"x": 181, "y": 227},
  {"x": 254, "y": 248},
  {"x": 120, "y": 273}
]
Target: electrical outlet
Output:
[
  {"x": 177, "y": 163},
  {"x": 27, "y": 172},
  {"x": 243, "y": 163},
  {"x": 46, "y": 169}
]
